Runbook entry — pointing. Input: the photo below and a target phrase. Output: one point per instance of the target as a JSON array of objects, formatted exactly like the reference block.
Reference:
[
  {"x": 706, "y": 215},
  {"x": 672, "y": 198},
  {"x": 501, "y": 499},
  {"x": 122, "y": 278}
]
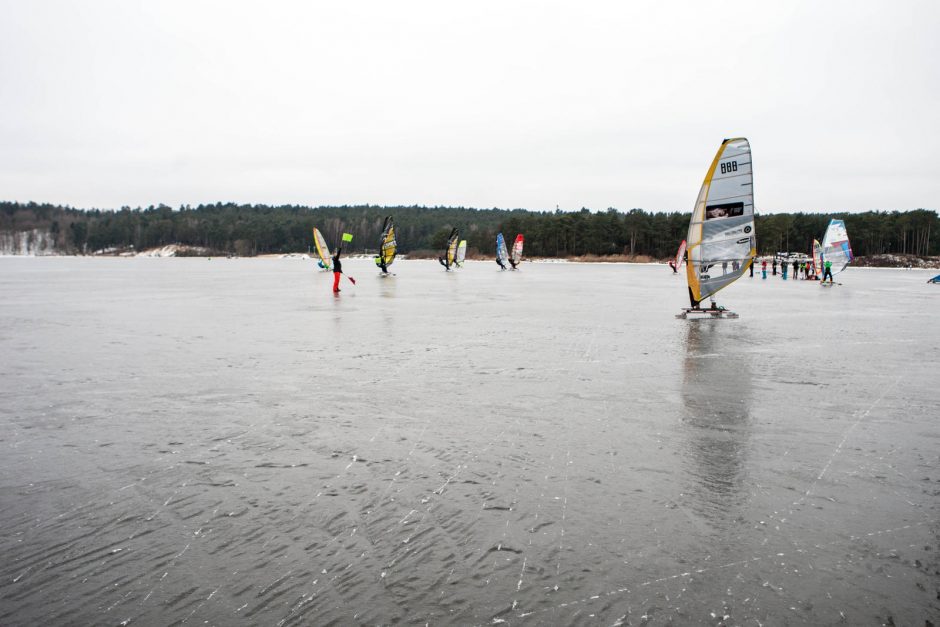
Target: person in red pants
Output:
[{"x": 337, "y": 269}]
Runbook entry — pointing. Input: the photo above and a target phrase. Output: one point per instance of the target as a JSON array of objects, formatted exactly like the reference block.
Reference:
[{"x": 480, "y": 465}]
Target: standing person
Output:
[
  {"x": 775, "y": 265},
  {"x": 783, "y": 269},
  {"x": 796, "y": 269},
  {"x": 763, "y": 269},
  {"x": 752, "y": 268},
  {"x": 672, "y": 264},
  {"x": 337, "y": 269},
  {"x": 828, "y": 271}
]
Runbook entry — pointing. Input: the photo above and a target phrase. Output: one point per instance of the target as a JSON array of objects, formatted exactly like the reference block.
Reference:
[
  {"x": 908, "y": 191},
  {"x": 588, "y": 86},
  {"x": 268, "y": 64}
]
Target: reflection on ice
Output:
[{"x": 716, "y": 395}]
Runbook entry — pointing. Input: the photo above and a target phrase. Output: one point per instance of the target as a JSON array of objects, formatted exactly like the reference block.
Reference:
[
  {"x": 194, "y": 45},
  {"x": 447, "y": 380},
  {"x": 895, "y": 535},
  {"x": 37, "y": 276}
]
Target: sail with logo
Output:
[
  {"x": 388, "y": 246},
  {"x": 721, "y": 240}
]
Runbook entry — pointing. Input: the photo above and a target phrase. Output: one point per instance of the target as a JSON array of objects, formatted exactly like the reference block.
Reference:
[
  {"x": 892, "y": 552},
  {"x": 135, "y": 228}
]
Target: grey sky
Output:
[{"x": 508, "y": 104}]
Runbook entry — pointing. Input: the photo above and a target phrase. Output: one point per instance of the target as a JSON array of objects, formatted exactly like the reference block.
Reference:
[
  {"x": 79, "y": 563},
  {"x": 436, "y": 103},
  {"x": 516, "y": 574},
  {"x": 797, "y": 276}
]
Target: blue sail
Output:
[{"x": 502, "y": 254}]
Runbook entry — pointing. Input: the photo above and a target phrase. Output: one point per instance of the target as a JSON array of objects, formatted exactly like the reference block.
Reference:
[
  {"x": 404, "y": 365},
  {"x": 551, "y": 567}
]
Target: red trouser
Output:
[{"x": 336, "y": 276}]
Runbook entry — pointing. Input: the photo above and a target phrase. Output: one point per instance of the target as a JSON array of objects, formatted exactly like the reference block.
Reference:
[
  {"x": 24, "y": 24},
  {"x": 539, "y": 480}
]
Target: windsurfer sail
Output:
[
  {"x": 450, "y": 253},
  {"x": 680, "y": 257},
  {"x": 323, "y": 251},
  {"x": 502, "y": 255},
  {"x": 721, "y": 239},
  {"x": 835, "y": 247},
  {"x": 817, "y": 258},
  {"x": 388, "y": 247},
  {"x": 516, "y": 257},
  {"x": 461, "y": 253}
]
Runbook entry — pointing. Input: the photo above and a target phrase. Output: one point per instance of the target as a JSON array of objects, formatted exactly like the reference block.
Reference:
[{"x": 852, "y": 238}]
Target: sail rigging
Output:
[
  {"x": 322, "y": 249},
  {"x": 721, "y": 239},
  {"x": 836, "y": 247},
  {"x": 502, "y": 255}
]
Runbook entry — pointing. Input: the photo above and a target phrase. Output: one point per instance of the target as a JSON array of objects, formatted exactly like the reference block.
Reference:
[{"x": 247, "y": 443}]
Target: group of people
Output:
[
  {"x": 805, "y": 269},
  {"x": 380, "y": 261}
]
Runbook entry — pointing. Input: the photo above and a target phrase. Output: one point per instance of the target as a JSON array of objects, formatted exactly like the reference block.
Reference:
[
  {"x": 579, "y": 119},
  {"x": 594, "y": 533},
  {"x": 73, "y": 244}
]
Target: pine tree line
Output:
[{"x": 260, "y": 229}]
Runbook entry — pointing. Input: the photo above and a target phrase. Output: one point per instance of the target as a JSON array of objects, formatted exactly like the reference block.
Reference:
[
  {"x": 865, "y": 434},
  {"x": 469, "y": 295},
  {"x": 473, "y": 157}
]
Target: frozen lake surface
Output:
[{"x": 225, "y": 442}]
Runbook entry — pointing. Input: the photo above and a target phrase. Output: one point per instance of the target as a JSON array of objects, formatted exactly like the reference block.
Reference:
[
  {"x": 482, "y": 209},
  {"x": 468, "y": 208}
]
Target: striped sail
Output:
[
  {"x": 721, "y": 240},
  {"x": 836, "y": 247},
  {"x": 322, "y": 249}
]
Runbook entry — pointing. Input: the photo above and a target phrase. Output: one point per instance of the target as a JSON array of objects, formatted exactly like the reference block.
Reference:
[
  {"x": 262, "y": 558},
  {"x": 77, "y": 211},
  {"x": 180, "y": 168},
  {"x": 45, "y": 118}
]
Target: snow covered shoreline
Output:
[{"x": 39, "y": 244}]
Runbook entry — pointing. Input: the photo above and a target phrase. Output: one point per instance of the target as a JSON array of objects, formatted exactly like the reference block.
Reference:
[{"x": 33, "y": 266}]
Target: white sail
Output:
[
  {"x": 721, "y": 240},
  {"x": 836, "y": 247}
]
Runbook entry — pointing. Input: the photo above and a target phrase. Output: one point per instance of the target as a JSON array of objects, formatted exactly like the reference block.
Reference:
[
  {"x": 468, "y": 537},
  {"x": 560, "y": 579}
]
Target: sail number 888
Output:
[{"x": 727, "y": 168}]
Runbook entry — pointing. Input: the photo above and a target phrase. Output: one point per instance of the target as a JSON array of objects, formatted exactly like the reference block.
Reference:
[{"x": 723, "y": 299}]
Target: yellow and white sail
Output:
[
  {"x": 322, "y": 249},
  {"x": 452, "y": 243},
  {"x": 721, "y": 240}
]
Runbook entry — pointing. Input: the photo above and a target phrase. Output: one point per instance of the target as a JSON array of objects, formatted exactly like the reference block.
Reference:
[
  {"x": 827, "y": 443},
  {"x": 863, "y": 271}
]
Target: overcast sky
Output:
[{"x": 481, "y": 104}]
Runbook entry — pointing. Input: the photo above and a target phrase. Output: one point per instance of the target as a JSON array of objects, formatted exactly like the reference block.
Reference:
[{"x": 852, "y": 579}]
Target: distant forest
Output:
[{"x": 259, "y": 229}]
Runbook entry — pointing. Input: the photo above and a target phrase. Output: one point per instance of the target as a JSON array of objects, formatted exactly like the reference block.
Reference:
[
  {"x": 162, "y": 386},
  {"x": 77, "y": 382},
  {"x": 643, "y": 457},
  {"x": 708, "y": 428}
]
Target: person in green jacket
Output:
[{"x": 828, "y": 271}]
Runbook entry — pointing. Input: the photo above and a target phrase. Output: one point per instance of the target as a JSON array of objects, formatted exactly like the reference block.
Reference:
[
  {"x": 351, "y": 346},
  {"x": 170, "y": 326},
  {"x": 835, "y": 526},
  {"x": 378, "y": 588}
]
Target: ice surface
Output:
[{"x": 227, "y": 442}]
